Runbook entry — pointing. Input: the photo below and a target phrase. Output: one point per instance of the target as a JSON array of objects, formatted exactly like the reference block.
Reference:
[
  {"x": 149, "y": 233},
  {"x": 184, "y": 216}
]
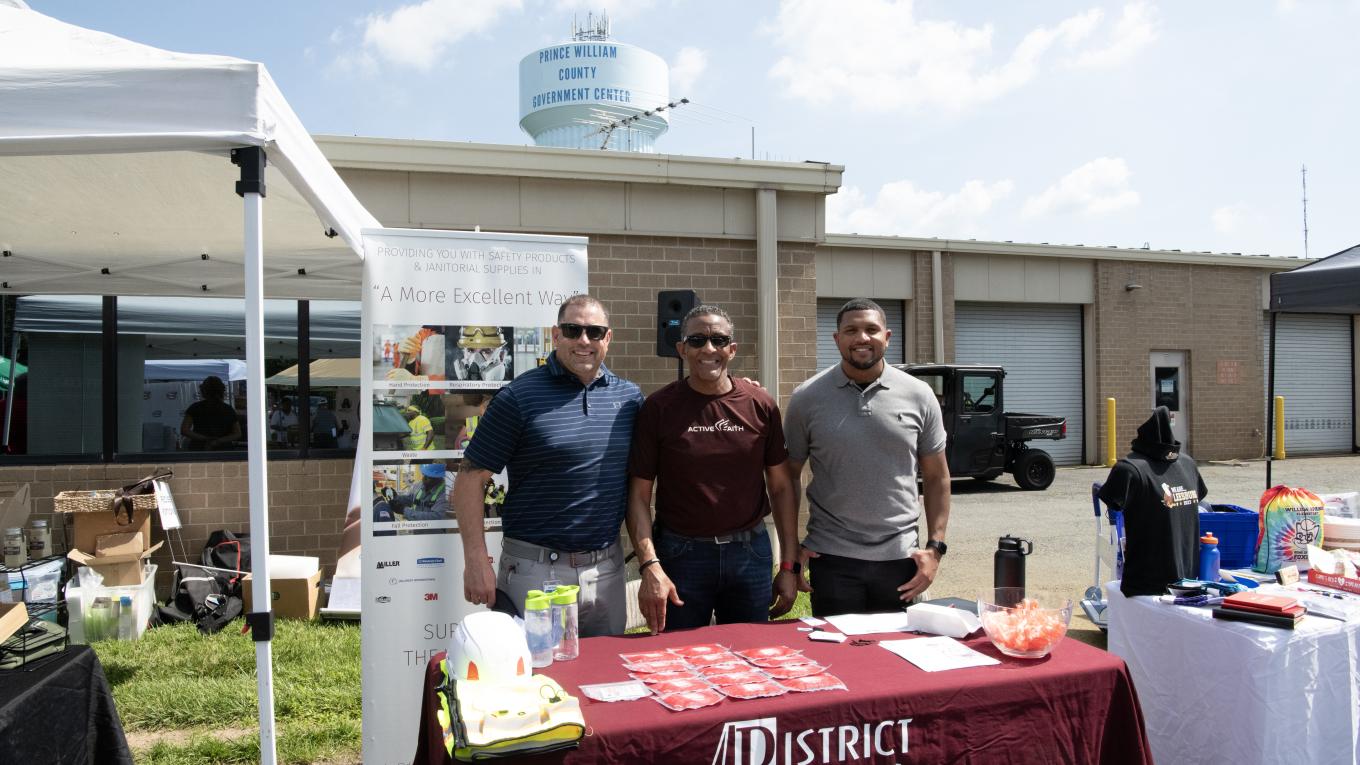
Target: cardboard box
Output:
[
  {"x": 12, "y": 617},
  {"x": 119, "y": 544},
  {"x": 90, "y": 526},
  {"x": 293, "y": 598},
  {"x": 124, "y": 570},
  {"x": 16, "y": 504}
]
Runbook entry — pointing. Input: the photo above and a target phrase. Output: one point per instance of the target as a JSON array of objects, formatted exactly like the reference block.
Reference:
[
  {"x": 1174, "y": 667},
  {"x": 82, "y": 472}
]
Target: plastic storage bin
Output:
[
  {"x": 1236, "y": 529},
  {"x": 78, "y": 605}
]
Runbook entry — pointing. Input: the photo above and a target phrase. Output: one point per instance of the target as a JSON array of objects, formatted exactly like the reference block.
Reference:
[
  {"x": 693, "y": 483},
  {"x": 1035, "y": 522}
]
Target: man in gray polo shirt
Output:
[{"x": 867, "y": 427}]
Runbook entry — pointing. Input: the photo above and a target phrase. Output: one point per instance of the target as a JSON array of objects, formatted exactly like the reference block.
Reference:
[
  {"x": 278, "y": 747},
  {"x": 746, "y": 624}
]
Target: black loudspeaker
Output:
[{"x": 671, "y": 307}]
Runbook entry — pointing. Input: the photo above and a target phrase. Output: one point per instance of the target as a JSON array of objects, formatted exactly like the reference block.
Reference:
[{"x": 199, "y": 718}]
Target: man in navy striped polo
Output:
[{"x": 563, "y": 430}]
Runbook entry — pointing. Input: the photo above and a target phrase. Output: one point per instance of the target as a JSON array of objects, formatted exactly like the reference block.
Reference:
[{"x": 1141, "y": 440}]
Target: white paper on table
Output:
[
  {"x": 812, "y": 621},
  {"x": 868, "y": 624},
  {"x": 934, "y": 654}
]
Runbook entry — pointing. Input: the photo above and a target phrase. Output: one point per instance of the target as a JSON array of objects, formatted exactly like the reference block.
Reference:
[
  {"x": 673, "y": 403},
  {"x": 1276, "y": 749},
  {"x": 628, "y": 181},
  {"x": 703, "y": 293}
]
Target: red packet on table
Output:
[
  {"x": 767, "y": 652},
  {"x": 689, "y": 699},
  {"x": 710, "y": 659},
  {"x": 794, "y": 670},
  {"x": 756, "y": 690},
  {"x": 821, "y": 682},
  {"x": 661, "y": 677},
  {"x": 653, "y": 667},
  {"x": 791, "y": 660},
  {"x": 736, "y": 678},
  {"x": 646, "y": 656},
  {"x": 678, "y": 685},
  {"x": 689, "y": 651},
  {"x": 725, "y": 667}
]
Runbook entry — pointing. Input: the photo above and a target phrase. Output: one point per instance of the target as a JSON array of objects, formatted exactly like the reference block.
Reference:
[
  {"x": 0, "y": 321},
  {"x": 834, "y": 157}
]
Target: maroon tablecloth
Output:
[{"x": 1078, "y": 705}]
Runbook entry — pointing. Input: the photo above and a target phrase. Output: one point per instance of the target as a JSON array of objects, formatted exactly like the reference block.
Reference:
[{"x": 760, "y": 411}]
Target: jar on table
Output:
[
  {"x": 16, "y": 550},
  {"x": 39, "y": 539}
]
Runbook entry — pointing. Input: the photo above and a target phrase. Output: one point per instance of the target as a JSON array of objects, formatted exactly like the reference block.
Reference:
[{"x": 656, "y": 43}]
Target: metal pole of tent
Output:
[
  {"x": 1270, "y": 402},
  {"x": 261, "y": 622},
  {"x": 9, "y": 396}
]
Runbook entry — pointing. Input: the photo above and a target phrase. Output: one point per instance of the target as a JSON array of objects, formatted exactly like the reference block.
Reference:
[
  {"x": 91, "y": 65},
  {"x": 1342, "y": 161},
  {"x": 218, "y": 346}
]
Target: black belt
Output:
[
  {"x": 721, "y": 539},
  {"x": 530, "y": 551}
]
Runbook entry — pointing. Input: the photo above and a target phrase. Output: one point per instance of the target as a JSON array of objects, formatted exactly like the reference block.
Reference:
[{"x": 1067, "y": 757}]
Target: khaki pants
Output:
[{"x": 602, "y": 606}]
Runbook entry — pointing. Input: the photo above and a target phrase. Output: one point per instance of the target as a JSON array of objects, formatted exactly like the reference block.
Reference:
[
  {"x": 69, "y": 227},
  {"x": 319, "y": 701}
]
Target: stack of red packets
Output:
[
  {"x": 702, "y": 675},
  {"x": 1257, "y": 608}
]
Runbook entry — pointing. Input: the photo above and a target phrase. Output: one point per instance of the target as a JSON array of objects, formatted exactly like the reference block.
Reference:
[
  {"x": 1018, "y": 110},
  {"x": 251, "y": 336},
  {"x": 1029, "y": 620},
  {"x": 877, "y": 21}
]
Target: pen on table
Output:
[{"x": 1337, "y": 595}]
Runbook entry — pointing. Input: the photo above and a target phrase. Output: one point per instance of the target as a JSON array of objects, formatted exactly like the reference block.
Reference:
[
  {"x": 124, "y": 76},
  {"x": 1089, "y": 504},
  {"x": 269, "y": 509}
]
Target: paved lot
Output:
[{"x": 1061, "y": 523}]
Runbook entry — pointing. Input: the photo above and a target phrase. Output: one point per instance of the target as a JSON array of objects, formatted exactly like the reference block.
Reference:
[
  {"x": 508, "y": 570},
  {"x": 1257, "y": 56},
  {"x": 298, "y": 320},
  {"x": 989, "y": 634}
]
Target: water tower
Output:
[{"x": 594, "y": 93}]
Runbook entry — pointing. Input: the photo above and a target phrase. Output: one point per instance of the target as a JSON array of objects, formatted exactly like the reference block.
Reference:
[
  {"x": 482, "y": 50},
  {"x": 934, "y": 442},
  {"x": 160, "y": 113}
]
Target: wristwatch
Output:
[{"x": 939, "y": 547}]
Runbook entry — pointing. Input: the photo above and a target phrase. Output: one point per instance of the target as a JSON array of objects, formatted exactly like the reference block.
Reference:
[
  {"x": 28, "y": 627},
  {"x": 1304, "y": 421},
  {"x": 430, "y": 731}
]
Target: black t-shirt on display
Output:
[{"x": 1158, "y": 487}]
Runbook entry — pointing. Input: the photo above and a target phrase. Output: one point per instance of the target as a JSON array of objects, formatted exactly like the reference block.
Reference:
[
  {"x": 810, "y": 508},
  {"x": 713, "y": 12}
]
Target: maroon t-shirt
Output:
[{"x": 708, "y": 456}]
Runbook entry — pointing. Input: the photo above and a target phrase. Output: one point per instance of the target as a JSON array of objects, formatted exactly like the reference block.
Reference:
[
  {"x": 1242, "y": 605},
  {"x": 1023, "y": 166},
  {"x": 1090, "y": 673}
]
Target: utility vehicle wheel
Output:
[{"x": 1034, "y": 470}]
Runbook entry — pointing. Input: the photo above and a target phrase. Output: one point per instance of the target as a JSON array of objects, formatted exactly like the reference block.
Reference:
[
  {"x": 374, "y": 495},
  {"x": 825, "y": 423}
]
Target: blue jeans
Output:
[{"x": 732, "y": 580}]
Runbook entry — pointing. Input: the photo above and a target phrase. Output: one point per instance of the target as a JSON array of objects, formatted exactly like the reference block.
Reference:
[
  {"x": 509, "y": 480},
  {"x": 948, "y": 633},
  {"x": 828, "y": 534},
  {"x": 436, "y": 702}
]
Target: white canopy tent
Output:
[{"x": 118, "y": 177}]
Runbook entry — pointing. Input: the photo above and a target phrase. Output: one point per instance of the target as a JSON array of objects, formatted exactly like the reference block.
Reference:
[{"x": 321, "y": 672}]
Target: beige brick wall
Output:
[
  {"x": 626, "y": 272},
  {"x": 1213, "y": 313},
  {"x": 306, "y": 501}
]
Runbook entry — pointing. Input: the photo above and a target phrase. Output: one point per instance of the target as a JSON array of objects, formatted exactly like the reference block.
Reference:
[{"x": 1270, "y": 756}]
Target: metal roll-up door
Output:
[
  {"x": 1040, "y": 347},
  {"x": 1314, "y": 376},
  {"x": 828, "y": 354}
]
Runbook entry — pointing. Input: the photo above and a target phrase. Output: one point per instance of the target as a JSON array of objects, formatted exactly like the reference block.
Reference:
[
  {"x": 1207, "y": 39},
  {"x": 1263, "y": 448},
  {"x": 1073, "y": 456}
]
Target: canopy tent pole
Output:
[
  {"x": 261, "y": 622},
  {"x": 9, "y": 389},
  {"x": 1270, "y": 402}
]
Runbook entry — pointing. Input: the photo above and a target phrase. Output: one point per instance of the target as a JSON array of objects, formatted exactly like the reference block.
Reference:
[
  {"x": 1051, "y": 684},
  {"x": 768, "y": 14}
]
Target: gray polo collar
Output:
[{"x": 845, "y": 380}]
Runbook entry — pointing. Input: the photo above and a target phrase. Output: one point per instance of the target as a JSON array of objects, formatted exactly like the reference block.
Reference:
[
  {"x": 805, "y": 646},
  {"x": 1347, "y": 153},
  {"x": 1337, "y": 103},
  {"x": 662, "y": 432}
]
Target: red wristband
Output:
[{"x": 795, "y": 567}]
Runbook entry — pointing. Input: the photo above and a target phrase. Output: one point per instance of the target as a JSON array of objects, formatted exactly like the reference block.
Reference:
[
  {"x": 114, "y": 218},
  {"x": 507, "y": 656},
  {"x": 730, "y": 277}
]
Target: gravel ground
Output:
[{"x": 1061, "y": 523}]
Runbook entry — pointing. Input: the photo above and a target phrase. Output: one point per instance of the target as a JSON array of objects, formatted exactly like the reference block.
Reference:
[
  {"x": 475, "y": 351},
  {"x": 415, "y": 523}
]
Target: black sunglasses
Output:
[
  {"x": 699, "y": 341},
  {"x": 594, "y": 332}
]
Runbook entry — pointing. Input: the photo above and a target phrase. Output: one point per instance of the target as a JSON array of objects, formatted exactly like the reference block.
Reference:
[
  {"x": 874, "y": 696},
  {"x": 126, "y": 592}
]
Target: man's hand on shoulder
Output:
[{"x": 654, "y": 593}]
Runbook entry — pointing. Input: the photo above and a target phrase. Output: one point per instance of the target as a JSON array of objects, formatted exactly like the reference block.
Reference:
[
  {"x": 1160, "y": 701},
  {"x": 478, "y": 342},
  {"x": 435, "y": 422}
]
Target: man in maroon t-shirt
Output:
[{"x": 714, "y": 447}]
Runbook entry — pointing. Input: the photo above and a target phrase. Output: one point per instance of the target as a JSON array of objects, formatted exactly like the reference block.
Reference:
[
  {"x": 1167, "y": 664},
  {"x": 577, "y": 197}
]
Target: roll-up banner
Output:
[{"x": 448, "y": 319}]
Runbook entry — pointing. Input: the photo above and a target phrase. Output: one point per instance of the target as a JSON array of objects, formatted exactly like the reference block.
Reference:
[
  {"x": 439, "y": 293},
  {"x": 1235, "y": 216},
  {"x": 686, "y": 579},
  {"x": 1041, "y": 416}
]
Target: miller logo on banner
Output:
[{"x": 448, "y": 318}]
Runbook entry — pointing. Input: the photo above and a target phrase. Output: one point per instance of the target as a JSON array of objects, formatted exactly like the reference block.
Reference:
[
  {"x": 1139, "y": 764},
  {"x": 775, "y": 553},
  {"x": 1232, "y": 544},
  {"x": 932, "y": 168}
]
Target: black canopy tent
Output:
[{"x": 1329, "y": 285}]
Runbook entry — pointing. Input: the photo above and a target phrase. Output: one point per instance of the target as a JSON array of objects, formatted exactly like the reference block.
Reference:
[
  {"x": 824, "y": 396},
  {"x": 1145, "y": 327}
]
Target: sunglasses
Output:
[
  {"x": 699, "y": 341},
  {"x": 594, "y": 332}
]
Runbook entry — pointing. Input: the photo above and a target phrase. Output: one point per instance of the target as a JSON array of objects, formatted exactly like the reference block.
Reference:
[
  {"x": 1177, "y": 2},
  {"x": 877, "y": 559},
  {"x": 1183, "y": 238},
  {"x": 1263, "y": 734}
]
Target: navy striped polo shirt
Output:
[{"x": 566, "y": 446}]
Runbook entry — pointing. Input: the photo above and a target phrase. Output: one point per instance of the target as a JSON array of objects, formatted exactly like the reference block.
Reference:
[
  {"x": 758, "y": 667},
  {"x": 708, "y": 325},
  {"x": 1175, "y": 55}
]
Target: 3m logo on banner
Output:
[{"x": 758, "y": 742}]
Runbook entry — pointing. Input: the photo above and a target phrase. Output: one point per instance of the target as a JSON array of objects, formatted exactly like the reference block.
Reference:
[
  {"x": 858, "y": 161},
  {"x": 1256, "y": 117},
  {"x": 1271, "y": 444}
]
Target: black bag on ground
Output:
[{"x": 210, "y": 598}]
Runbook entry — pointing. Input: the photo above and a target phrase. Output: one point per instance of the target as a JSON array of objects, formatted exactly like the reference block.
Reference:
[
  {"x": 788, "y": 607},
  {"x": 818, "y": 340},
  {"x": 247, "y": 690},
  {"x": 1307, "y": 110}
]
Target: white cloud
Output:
[
  {"x": 688, "y": 66},
  {"x": 1228, "y": 219},
  {"x": 904, "y": 210},
  {"x": 879, "y": 56},
  {"x": 1098, "y": 187},
  {"x": 1138, "y": 27},
  {"x": 417, "y": 35}
]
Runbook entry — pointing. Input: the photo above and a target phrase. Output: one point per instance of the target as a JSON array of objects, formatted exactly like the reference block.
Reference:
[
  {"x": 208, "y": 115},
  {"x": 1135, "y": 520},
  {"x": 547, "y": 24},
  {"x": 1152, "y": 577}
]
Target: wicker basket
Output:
[{"x": 97, "y": 501}]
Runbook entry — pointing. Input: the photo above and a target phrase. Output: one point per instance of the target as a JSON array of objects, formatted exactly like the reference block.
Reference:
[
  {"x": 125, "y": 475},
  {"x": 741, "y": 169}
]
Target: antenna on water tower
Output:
[{"x": 1303, "y": 171}]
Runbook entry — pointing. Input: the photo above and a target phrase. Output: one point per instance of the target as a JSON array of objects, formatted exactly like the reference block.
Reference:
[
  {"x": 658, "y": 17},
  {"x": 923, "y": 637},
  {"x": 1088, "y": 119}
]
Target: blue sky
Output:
[{"x": 1177, "y": 125}]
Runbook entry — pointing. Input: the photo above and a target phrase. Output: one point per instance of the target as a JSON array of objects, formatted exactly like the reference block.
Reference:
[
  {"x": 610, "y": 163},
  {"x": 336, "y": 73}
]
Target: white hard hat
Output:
[{"x": 488, "y": 646}]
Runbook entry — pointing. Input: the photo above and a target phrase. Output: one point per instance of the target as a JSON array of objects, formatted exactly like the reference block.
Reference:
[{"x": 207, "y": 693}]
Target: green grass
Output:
[{"x": 175, "y": 679}]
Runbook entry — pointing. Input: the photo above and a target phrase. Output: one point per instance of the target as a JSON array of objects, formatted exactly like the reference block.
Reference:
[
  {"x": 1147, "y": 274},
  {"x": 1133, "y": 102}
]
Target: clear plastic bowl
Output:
[{"x": 1019, "y": 626}]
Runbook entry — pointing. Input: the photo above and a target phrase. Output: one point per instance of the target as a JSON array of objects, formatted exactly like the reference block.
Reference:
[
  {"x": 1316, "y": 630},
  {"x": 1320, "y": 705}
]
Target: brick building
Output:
[{"x": 1073, "y": 325}]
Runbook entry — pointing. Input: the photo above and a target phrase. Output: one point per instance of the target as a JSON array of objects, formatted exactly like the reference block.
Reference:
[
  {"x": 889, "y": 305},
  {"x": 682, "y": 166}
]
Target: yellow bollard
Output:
[
  {"x": 1279, "y": 427},
  {"x": 1111, "y": 441}
]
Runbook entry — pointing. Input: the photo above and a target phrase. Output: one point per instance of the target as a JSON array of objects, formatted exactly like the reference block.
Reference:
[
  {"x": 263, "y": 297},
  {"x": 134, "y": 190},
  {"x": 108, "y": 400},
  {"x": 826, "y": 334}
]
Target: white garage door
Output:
[
  {"x": 1040, "y": 348},
  {"x": 827, "y": 308},
  {"x": 1314, "y": 376}
]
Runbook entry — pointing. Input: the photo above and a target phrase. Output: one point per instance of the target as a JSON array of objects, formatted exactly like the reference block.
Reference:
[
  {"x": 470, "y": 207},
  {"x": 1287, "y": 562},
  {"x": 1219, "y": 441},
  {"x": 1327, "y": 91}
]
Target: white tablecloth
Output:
[{"x": 1226, "y": 692}]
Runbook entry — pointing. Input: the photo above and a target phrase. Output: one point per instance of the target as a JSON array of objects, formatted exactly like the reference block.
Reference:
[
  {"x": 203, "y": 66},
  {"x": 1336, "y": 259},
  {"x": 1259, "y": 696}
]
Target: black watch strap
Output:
[{"x": 939, "y": 547}]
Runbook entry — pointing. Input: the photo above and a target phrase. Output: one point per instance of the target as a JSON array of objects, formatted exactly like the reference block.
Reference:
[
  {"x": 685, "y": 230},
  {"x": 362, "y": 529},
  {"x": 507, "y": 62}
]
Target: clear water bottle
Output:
[
  {"x": 538, "y": 627},
  {"x": 126, "y": 618},
  {"x": 565, "y": 623}
]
